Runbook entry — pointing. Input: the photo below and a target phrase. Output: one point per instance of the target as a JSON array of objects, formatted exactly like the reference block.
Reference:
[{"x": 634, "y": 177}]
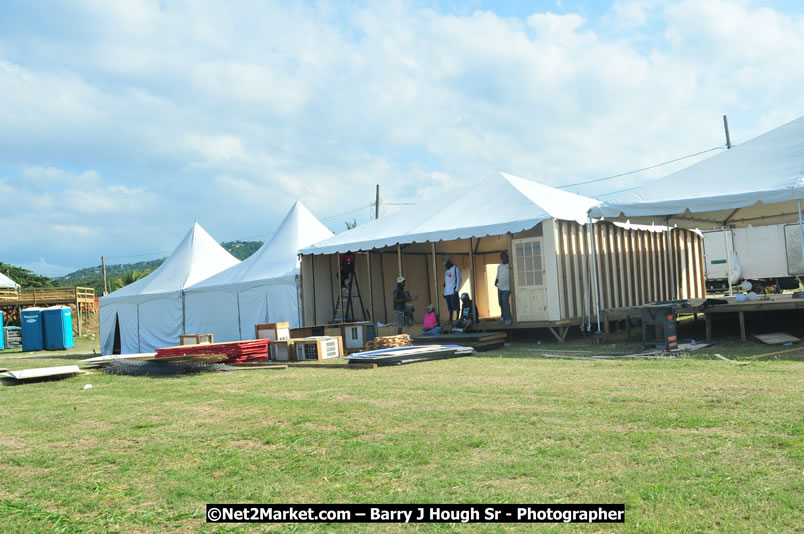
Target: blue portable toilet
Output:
[
  {"x": 33, "y": 331},
  {"x": 58, "y": 322}
]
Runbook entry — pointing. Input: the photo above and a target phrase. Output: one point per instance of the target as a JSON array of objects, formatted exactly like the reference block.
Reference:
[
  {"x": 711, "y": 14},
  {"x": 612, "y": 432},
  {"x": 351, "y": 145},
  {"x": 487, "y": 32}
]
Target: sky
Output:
[{"x": 122, "y": 123}]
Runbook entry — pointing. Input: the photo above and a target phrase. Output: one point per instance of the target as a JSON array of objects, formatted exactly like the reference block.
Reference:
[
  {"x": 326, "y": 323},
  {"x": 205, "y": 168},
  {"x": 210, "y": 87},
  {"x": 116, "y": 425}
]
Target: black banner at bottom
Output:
[{"x": 416, "y": 513}]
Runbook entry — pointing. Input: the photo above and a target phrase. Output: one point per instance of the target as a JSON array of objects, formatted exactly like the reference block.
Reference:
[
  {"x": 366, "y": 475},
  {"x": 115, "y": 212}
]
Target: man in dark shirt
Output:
[{"x": 401, "y": 306}]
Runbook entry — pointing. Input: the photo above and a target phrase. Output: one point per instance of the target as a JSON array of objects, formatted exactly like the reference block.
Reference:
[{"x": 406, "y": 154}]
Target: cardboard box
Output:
[
  {"x": 280, "y": 351},
  {"x": 317, "y": 348},
  {"x": 196, "y": 339},
  {"x": 272, "y": 331}
]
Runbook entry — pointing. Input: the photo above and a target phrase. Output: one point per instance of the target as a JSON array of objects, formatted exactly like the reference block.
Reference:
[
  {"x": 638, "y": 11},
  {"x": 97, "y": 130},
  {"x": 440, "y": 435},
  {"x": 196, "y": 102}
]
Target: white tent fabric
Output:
[
  {"x": 758, "y": 182},
  {"x": 261, "y": 289},
  {"x": 150, "y": 311},
  {"x": 499, "y": 204},
  {"x": 6, "y": 282}
]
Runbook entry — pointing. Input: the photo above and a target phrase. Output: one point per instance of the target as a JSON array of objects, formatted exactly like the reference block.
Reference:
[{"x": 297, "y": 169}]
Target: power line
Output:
[
  {"x": 615, "y": 192},
  {"x": 720, "y": 147}
]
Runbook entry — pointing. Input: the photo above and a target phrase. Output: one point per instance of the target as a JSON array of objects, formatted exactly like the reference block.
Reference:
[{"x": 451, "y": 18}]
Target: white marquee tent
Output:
[
  {"x": 498, "y": 204},
  {"x": 149, "y": 313},
  {"x": 759, "y": 182},
  {"x": 6, "y": 282},
  {"x": 263, "y": 288}
]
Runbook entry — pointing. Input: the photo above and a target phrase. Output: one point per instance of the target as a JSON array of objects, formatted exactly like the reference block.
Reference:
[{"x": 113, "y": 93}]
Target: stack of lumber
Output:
[
  {"x": 480, "y": 341},
  {"x": 255, "y": 350},
  {"x": 388, "y": 342},
  {"x": 413, "y": 354}
]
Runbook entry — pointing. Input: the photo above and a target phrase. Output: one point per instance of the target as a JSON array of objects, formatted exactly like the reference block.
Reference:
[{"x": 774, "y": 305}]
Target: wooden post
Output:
[
  {"x": 708, "y": 320},
  {"x": 472, "y": 277},
  {"x": 384, "y": 289},
  {"x": 435, "y": 280},
  {"x": 301, "y": 284},
  {"x": 340, "y": 287},
  {"x": 103, "y": 266},
  {"x": 742, "y": 326},
  {"x": 78, "y": 311},
  {"x": 371, "y": 287}
]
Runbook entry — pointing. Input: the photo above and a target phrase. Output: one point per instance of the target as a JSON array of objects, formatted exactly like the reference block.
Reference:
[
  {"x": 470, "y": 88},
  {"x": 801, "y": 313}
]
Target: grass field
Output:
[{"x": 689, "y": 445}]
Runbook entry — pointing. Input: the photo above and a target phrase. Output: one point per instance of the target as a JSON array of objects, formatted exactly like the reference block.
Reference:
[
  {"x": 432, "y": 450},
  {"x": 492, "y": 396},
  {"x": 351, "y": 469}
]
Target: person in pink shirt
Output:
[{"x": 430, "y": 327}]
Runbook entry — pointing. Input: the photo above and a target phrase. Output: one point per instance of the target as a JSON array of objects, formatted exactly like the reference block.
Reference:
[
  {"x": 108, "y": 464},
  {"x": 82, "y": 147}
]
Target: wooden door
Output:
[{"x": 531, "y": 294}]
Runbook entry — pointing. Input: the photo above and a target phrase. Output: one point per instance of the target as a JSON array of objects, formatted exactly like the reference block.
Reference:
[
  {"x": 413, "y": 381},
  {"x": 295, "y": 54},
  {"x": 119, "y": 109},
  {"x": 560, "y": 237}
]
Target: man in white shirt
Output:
[
  {"x": 503, "y": 283},
  {"x": 452, "y": 283}
]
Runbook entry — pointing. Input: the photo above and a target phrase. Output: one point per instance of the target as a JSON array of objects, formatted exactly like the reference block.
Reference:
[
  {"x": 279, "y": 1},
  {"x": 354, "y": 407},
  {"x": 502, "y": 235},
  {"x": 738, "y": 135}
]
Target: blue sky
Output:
[{"x": 124, "y": 122}]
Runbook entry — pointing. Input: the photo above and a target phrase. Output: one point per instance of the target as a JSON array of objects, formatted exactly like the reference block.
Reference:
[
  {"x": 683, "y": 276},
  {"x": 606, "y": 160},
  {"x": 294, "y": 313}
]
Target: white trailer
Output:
[{"x": 763, "y": 255}]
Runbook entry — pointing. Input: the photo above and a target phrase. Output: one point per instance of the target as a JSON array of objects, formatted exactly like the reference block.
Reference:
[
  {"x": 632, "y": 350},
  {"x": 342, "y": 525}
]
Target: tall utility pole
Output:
[
  {"x": 726, "y": 127},
  {"x": 377, "y": 203},
  {"x": 103, "y": 265}
]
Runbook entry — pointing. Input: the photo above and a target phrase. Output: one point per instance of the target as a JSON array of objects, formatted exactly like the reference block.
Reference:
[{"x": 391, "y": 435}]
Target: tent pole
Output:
[
  {"x": 239, "y": 326},
  {"x": 801, "y": 230},
  {"x": 301, "y": 291},
  {"x": 472, "y": 277},
  {"x": 340, "y": 288},
  {"x": 728, "y": 258},
  {"x": 299, "y": 298},
  {"x": 671, "y": 252},
  {"x": 435, "y": 280},
  {"x": 399, "y": 258},
  {"x": 371, "y": 287},
  {"x": 594, "y": 271},
  {"x": 183, "y": 315}
]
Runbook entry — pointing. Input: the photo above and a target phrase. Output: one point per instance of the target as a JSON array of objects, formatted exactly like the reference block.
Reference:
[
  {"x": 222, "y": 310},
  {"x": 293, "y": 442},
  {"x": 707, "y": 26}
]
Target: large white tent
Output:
[
  {"x": 758, "y": 182},
  {"x": 496, "y": 205},
  {"x": 149, "y": 313},
  {"x": 263, "y": 288},
  {"x": 6, "y": 282}
]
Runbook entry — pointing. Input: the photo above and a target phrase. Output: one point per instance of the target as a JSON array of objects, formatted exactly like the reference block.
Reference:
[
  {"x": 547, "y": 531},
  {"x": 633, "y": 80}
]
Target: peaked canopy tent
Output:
[
  {"x": 149, "y": 313},
  {"x": 263, "y": 288},
  {"x": 7, "y": 283},
  {"x": 541, "y": 228},
  {"x": 759, "y": 182}
]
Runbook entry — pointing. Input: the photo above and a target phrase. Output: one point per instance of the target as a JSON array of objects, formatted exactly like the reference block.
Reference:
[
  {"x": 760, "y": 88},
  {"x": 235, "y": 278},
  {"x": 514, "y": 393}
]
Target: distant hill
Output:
[{"x": 93, "y": 276}]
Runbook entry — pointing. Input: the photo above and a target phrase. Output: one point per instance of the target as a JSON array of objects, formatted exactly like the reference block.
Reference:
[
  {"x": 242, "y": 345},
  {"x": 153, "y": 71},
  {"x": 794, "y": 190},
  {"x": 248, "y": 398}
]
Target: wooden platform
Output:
[{"x": 81, "y": 298}]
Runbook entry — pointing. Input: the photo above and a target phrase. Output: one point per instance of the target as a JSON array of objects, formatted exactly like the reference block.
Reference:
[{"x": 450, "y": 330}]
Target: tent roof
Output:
[
  {"x": 757, "y": 182},
  {"x": 496, "y": 205},
  {"x": 277, "y": 257},
  {"x": 197, "y": 257},
  {"x": 5, "y": 281}
]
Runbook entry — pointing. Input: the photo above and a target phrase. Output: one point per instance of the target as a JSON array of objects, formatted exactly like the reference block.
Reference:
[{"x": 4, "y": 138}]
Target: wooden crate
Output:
[
  {"x": 272, "y": 331},
  {"x": 280, "y": 350},
  {"x": 316, "y": 348},
  {"x": 196, "y": 339}
]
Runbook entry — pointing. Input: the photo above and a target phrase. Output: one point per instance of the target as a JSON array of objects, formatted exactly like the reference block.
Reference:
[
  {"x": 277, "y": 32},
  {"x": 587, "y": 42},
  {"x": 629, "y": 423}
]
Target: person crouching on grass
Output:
[{"x": 430, "y": 327}]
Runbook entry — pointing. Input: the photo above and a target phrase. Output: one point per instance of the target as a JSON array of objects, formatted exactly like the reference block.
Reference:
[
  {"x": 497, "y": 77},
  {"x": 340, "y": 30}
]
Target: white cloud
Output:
[{"x": 151, "y": 115}]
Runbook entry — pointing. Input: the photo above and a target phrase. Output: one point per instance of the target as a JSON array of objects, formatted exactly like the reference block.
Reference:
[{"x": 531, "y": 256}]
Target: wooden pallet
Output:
[{"x": 388, "y": 342}]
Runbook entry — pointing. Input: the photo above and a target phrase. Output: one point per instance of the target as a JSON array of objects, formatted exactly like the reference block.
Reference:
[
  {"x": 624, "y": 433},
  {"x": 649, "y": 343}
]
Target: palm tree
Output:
[{"x": 128, "y": 278}]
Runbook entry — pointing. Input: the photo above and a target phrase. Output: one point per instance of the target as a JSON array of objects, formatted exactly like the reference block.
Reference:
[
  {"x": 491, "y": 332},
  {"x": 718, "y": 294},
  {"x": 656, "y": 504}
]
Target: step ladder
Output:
[{"x": 347, "y": 302}]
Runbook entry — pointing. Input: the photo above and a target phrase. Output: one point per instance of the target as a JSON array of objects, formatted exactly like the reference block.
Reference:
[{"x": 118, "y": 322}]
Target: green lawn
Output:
[{"x": 690, "y": 444}]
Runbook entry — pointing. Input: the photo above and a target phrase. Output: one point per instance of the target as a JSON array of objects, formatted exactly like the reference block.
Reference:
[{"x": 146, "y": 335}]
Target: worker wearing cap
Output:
[
  {"x": 401, "y": 306},
  {"x": 452, "y": 283}
]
